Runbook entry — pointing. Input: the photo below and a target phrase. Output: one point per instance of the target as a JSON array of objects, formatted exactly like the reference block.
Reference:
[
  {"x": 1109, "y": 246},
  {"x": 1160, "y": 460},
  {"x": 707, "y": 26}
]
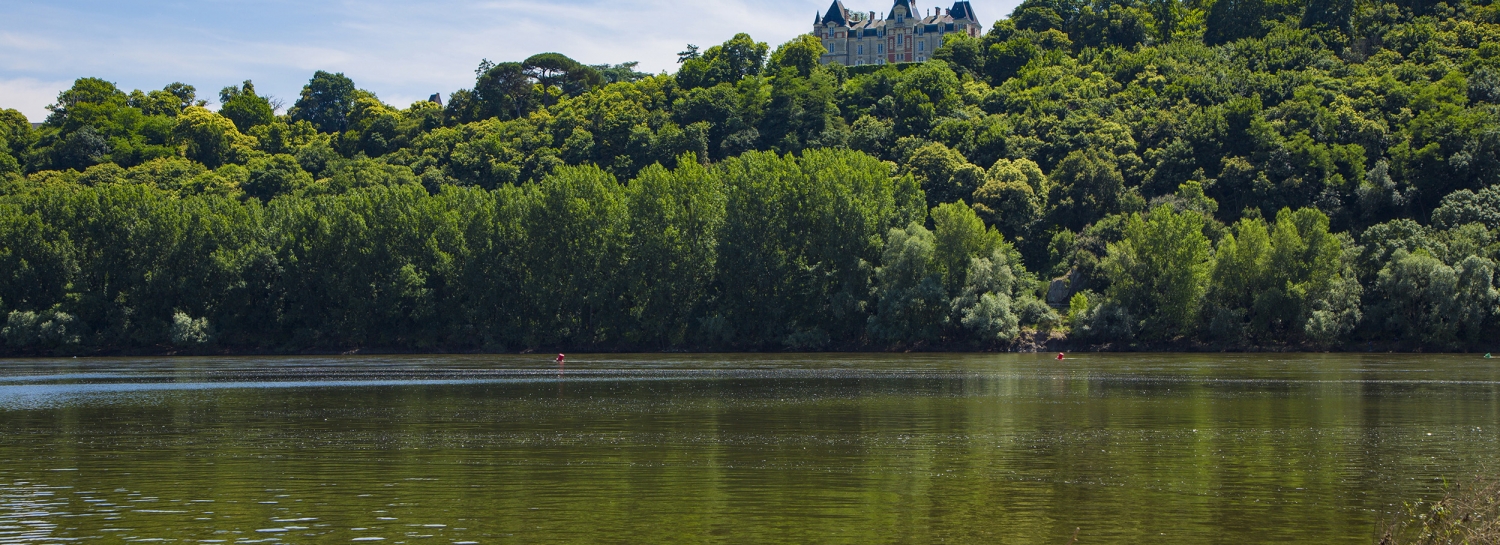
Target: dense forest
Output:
[{"x": 1117, "y": 174}]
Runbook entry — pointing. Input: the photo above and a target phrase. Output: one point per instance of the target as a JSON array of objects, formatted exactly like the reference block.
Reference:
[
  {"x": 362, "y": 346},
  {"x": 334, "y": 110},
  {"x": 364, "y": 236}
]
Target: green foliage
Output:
[
  {"x": 275, "y": 175},
  {"x": 246, "y": 109},
  {"x": 958, "y": 282},
  {"x": 620, "y": 73},
  {"x": 1160, "y": 271},
  {"x": 985, "y": 306},
  {"x": 1270, "y": 280},
  {"x": 735, "y": 59},
  {"x": 325, "y": 102},
  {"x": 924, "y": 94},
  {"x": 1086, "y": 185},
  {"x": 49, "y": 329},
  {"x": 798, "y": 240},
  {"x": 1230, "y": 20},
  {"x": 965, "y": 54},
  {"x": 944, "y": 174},
  {"x": 801, "y": 54},
  {"x": 566, "y": 74},
  {"x": 1432, "y": 303},
  {"x": 913, "y": 305},
  {"x": 802, "y": 113},
  {"x": 960, "y": 235},
  {"x": 675, "y": 220},
  {"x": 85, "y": 95},
  {"x": 15, "y": 136},
  {"x": 1464, "y": 207},
  {"x": 37, "y": 262},
  {"x": 1004, "y": 60},
  {"x": 209, "y": 138},
  {"x": 575, "y": 221},
  {"x": 749, "y": 200},
  {"x": 188, "y": 331},
  {"x": 1013, "y": 197}
]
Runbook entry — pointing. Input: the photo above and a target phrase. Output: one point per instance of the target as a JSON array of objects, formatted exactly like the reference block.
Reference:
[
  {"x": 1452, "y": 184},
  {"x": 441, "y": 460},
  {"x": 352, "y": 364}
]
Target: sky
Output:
[{"x": 402, "y": 50}]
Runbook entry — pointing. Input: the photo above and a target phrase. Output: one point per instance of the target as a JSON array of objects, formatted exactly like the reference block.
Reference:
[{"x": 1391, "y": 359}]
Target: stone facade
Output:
[{"x": 905, "y": 34}]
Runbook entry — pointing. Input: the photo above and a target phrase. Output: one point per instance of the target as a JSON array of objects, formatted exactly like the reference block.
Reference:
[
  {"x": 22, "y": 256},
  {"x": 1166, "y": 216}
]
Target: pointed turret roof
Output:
[
  {"x": 837, "y": 14},
  {"x": 910, "y": 11},
  {"x": 963, "y": 10}
]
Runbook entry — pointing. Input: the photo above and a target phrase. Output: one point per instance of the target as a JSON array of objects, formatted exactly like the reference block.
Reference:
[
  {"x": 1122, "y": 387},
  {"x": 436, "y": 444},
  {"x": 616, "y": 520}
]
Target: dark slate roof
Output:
[
  {"x": 837, "y": 14},
  {"x": 963, "y": 10},
  {"x": 910, "y": 12}
]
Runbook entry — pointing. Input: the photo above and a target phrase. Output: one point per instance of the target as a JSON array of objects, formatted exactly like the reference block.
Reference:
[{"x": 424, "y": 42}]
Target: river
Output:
[{"x": 737, "y": 448}]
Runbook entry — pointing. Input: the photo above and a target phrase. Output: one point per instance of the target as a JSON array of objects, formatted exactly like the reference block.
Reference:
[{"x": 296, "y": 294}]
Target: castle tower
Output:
[{"x": 906, "y": 34}]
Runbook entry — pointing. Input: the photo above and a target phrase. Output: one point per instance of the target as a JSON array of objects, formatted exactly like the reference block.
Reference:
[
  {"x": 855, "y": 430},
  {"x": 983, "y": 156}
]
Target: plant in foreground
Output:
[{"x": 1468, "y": 514}]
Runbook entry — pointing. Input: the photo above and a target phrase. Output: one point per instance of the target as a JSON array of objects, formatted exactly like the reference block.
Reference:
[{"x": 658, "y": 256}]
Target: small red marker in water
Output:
[
  {"x": 1059, "y": 356},
  {"x": 559, "y": 359}
]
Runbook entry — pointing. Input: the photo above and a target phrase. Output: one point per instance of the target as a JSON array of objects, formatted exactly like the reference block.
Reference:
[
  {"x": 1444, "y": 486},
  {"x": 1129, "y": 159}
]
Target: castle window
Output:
[
  {"x": 920, "y": 44},
  {"x": 879, "y": 49},
  {"x": 898, "y": 39},
  {"x": 861, "y": 49}
]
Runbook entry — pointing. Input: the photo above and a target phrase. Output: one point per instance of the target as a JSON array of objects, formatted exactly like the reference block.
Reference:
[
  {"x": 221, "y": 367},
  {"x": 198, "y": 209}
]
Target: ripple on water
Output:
[{"x": 828, "y": 448}]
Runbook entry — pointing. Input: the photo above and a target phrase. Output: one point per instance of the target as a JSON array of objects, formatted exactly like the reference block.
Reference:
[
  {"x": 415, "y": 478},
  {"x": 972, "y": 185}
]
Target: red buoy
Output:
[{"x": 1059, "y": 356}]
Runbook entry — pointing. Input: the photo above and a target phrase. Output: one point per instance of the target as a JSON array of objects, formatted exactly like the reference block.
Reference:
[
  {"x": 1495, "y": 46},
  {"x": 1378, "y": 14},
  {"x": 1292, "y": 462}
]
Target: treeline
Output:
[
  {"x": 759, "y": 250},
  {"x": 1117, "y": 173}
]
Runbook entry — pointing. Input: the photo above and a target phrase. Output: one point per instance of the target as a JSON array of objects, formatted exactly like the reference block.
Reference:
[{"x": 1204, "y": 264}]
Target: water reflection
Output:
[{"x": 735, "y": 448}]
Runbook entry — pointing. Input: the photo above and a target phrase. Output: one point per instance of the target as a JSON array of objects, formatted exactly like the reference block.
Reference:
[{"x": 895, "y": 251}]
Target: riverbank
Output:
[
  {"x": 1028, "y": 342},
  {"x": 1468, "y": 511}
]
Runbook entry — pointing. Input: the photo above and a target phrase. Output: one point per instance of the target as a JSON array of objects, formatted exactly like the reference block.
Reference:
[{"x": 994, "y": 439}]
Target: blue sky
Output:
[{"x": 401, "y": 50}]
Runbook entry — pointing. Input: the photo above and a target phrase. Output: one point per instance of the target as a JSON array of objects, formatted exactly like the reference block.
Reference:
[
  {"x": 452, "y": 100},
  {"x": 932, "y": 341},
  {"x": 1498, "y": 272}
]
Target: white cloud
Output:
[
  {"x": 30, "y": 96},
  {"x": 397, "y": 48}
]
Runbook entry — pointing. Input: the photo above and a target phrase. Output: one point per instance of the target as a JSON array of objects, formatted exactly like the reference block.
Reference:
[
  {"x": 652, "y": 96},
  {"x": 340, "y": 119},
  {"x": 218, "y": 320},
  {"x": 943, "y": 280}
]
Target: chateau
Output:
[{"x": 906, "y": 34}]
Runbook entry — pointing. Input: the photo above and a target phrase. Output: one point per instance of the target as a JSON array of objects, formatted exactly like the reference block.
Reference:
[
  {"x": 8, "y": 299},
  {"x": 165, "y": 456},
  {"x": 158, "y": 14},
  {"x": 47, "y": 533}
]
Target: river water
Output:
[{"x": 736, "y": 448}]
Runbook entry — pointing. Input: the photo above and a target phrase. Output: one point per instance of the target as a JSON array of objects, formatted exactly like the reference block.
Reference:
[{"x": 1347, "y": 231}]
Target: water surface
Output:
[{"x": 732, "y": 448}]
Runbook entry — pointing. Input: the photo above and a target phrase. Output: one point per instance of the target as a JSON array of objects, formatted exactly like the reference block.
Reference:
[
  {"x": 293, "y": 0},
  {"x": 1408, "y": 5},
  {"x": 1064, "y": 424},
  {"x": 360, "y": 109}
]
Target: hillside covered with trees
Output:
[{"x": 1230, "y": 174}]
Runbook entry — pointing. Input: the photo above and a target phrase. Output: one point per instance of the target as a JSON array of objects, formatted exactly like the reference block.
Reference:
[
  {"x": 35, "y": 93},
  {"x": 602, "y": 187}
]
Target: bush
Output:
[
  {"x": 1429, "y": 301},
  {"x": 1469, "y": 513},
  {"x": 189, "y": 331},
  {"x": 48, "y": 329}
]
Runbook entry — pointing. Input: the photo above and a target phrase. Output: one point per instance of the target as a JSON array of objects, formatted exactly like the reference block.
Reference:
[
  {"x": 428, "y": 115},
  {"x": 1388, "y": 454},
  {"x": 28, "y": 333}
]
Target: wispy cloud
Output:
[{"x": 401, "y": 50}]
